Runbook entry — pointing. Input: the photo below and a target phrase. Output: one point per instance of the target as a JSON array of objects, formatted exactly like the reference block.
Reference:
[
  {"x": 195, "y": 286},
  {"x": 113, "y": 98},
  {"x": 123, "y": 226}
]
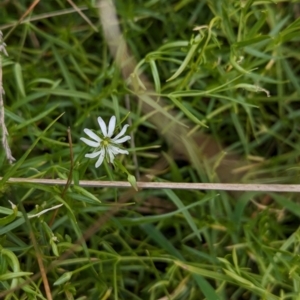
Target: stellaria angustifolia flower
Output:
[{"x": 106, "y": 146}]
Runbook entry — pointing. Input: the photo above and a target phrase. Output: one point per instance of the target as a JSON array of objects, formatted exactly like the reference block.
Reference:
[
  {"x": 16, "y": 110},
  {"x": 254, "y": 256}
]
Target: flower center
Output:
[{"x": 105, "y": 142}]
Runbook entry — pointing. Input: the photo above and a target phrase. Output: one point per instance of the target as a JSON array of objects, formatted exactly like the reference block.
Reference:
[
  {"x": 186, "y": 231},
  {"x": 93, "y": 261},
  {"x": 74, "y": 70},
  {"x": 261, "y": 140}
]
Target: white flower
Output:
[{"x": 106, "y": 146}]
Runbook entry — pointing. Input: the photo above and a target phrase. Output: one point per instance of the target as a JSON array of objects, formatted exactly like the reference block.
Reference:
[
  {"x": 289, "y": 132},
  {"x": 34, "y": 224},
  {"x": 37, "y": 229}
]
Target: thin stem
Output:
[{"x": 132, "y": 141}]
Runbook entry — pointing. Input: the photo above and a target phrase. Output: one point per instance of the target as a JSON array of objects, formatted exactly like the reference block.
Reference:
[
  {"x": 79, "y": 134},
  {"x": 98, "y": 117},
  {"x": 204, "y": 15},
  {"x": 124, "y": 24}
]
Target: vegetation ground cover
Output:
[{"x": 232, "y": 69}]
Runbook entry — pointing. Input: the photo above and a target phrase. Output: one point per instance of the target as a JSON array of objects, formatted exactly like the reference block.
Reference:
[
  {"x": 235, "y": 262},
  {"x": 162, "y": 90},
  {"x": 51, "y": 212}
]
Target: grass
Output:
[{"x": 227, "y": 69}]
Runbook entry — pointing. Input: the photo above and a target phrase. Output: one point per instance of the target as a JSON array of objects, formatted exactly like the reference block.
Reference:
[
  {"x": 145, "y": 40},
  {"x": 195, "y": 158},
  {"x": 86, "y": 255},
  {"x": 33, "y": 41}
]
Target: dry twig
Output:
[{"x": 255, "y": 187}]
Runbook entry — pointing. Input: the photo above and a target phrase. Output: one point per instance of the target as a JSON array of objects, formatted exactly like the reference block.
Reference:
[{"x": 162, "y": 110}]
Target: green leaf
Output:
[
  {"x": 36, "y": 118},
  {"x": 17, "y": 165},
  {"x": 181, "y": 106},
  {"x": 155, "y": 75},
  {"x": 63, "y": 278},
  {"x": 251, "y": 41},
  {"x": 195, "y": 44},
  {"x": 175, "y": 199},
  {"x": 10, "y": 218},
  {"x": 19, "y": 79}
]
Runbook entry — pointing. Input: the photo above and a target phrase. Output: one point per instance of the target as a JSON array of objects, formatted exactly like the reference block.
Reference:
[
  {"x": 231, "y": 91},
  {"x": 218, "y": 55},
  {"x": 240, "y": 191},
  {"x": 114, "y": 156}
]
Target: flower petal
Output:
[
  {"x": 92, "y": 135},
  {"x": 121, "y": 132},
  {"x": 102, "y": 126},
  {"x": 90, "y": 143},
  {"x": 111, "y": 126},
  {"x": 115, "y": 150},
  {"x": 112, "y": 149},
  {"x": 94, "y": 154},
  {"x": 100, "y": 159},
  {"x": 122, "y": 140},
  {"x": 111, "y": 154}
]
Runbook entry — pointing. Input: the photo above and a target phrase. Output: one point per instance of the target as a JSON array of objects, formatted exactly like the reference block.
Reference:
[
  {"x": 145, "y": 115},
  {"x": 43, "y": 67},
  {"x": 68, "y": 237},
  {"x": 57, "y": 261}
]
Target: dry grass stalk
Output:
[
  {"x": 5, "y": 144},
  {"x": 255, "y": 187}
]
